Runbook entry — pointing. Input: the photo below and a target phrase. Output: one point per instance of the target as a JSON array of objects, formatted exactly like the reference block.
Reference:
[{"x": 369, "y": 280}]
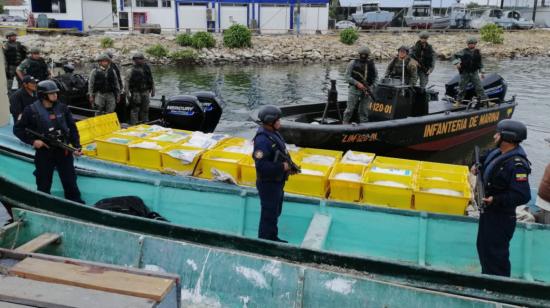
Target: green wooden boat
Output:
[{"x": 213, "y": 277}]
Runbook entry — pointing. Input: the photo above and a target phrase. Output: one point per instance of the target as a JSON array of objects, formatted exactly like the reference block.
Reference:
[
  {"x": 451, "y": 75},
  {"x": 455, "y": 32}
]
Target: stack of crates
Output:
[
  {"x": 146, "y": 153},
  {"x": 114, "y": 147},
  {"x": 95, "y": 127},
  {"x": 343, "y": 186},
  {"x": 390, "y": 182},
  {"x": 316, "y": 165},
  {"x": 217, "y": 161},
  {"x": 442, "y": 188},
  {"x": 172, "y": 161}
]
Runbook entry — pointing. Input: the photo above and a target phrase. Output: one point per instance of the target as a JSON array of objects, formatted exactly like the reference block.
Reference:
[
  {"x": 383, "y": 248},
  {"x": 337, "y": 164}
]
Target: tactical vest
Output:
[
  {"x": 141, "y": 79},
  {"x": 358, "y": 72},
  {"x": 424, "y": 56},
  {"x": 493, "y": 165},
  {"x": 14, "y": 52},
  {"x": 104, "y": 81},
  {"x": 470, "y": 61},
  {"x": 38, "y": 69},
  {"x": 45, "y": 124},
  {"x": 277, "y": 144},
  {"x": 396, "y": 68}
]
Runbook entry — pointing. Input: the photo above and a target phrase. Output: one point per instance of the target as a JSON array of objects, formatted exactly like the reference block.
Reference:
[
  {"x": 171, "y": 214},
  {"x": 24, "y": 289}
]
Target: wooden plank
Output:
[
  {"x": 38, "y": 243},
  {"x": 94, "y": 277},
  {"x": 317, "y": 232},
  {"x": 52, "y": 295}
]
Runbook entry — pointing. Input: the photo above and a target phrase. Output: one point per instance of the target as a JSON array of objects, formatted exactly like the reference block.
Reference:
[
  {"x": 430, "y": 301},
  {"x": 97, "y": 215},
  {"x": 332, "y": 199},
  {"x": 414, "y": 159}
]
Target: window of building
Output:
[
  {"x": 49, "y": 6},
  {"x": 147, "y": 3},
  {"x": 166, "y": 3}
]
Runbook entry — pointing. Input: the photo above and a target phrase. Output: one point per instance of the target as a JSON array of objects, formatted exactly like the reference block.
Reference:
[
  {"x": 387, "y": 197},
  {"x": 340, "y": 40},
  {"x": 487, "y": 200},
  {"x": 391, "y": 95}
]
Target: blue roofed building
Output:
[{"x": 80, "y": 14}]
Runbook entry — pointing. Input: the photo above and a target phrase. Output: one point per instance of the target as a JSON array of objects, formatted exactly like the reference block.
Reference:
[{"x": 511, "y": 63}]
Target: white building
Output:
[
  {"x": 80, "y": 14},
  {"x": 270, "y": 16}
]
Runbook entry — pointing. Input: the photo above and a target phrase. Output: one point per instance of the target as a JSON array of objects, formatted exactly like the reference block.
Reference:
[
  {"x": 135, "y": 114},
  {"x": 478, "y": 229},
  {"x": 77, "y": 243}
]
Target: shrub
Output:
[
  {"x": 203, "y": 40},
  {"x": 184, "y": 39},
  {"x": 237, "y": 36},
  {"x": 106, "y": 42},
  {"x": 185, "y": 55},
  {"x": 157, "y": 51},
  {"x": 348, "y": 36},
  {"x": 492, "y": 33}
]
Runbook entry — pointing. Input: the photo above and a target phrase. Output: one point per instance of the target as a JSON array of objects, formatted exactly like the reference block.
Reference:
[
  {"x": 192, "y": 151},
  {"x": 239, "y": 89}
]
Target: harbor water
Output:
[{"x": 246, "y": 87}]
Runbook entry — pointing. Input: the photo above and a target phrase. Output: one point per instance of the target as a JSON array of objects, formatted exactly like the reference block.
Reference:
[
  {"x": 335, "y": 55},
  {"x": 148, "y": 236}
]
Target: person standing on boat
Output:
[
  {"x": 272, "y": 170},
  {"x": 103, "y": 86},
  {"x": 505, "y": 172},
  {"x": 403, "y": 62},
  {"x": 121, "y": 103},
  {"x": 14, "y": 53},
  {"x": 361, "y": 76},
  {"x": 53, "y": 119},
  {"x": 469, "y": 63},
  {"x": 424, "y": 54},
  {"x": 139, "y": 85},
  {"x": 34, "y": 66},
  {"x": 23, "y": 97}
]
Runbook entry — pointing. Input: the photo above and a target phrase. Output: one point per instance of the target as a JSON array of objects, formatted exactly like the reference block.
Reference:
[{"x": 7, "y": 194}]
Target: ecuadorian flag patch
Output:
[{"x": 521, "y": 177}]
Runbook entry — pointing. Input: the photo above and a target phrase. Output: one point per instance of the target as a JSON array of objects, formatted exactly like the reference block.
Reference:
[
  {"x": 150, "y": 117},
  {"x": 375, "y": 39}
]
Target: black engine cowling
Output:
[
  {"x": 495, "y": 87},
  {"x": 212, "y": 107},
  {"x": 184, "y": 112}
]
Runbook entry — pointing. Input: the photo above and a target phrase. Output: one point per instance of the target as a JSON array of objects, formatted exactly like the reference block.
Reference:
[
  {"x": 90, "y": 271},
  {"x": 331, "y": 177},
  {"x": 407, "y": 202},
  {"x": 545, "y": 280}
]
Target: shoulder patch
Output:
[
  {"x": 258, "y": 154},
  {"x": 521, "y": 177}
]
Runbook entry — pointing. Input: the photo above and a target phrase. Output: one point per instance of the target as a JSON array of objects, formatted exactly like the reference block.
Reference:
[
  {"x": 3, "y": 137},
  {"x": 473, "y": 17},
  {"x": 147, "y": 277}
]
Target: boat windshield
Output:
[
  {"x": 370, "y": 7},
  {"x": 421, "y": 12},
  {"x": 496, "y": 13}
]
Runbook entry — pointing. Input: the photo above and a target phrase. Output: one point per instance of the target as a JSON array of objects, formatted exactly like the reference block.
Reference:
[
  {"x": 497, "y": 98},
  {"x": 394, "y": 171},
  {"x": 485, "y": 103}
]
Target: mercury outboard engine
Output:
[
  {"x": 212, "y": 107},
  {"x": 184, "y": 112},
  {"x": 494, "y": 85}
]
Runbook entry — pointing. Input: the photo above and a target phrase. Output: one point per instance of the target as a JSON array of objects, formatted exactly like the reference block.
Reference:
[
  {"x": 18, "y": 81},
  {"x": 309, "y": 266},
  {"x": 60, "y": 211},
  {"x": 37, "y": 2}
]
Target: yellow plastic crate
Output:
[
  {"x": 225, "y": 162},
  {"x": 248, "y": 171},
  {"x": 136, "y": 133},
  {"x": 114, "y": 147},
  {"x": 230, "y": 141},
  {"x": 433, "y": 196},
  {"x": 85, "y": 131},
  {"x": 105, "y": 124},
  {"x": 442, "y": 175},
  {"x": 368, "y": 155},
  {"x": 450, "y": 168},
  {"x": 398, "y": 162},
  {"x": 174, "y": 137},
  {"x": 145, "y": 157},
  {"x": 308, "y": 152},
  {"x": 344, "y": 189},
  {"x": 174, "y": 164},
  {"x": 377, "y": 190},
  {"x": 90, "y": 149},
  {"x": 309, "y": 184}
]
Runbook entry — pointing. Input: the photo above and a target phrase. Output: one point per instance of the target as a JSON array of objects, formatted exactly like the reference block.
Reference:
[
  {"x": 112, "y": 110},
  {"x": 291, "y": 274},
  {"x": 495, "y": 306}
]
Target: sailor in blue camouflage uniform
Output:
[
  {"x": 272, "y": 171},
  {"x": 505, "y": 173}
]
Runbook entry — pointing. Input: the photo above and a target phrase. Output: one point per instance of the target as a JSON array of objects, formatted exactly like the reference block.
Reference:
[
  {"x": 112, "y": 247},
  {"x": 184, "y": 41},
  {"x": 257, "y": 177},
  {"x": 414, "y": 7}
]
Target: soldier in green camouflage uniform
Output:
[
  {"x": 469, "y": 64},
  {"x": 14, "y": 54},
  {"x": 360, "y": 74},
  {"x": 424, "y": 54},
  {"x": 400, "y": 62}
]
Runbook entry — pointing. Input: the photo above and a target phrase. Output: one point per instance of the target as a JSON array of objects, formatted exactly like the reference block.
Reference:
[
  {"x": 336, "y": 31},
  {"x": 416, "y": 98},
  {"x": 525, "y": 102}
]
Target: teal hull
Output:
[{"x": 220, "y": 278}]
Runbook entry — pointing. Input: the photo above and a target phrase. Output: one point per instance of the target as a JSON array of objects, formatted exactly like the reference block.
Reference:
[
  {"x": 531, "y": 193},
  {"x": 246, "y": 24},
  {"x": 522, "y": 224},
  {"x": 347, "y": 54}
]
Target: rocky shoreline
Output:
[{"x": 283, "y": 48}]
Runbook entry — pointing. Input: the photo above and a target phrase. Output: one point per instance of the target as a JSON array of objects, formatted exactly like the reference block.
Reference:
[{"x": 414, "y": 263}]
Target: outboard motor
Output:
[
  {"x": 73, "y": 89},
  {"x": 184, "y": 112},
  {"x": 212, "y": 107},
  {"x": 495, "y": 87}
]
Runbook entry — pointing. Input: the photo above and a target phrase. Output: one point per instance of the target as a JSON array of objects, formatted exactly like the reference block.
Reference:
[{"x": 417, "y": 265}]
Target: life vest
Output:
[
  {"x": 424, "y": 55},
  {"x": 495, "y": 161},
  {"x": 14, "y": 52},
  {"x": 45, "y": 124},
  {"x": 38, "y": 69},
  {"x": 141, "y": 79},
  {"x": 396, "y": 68},
  {"x": 358, "y": 72},
  {"x": 470, "y": 61},
  {"x": 104, "y": 80}
]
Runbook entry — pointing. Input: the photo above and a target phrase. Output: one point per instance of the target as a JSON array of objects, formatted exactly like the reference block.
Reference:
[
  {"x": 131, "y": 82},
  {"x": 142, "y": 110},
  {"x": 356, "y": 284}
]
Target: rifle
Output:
[
  {"x": 480, "y": 190},
  {"x": 367, "y": 90},
  {"x": 293, "y": 167},
  {"x": 53, "y": 142}
]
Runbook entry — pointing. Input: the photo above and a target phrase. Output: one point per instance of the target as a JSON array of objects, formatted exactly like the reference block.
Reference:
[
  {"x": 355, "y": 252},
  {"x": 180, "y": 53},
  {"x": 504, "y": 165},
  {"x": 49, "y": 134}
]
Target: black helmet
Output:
[
  {"x": 512, "y": 131},
  {"x": 68, "y": 68},
  {"x": 269, "y": 114},
  {"x": 403, "y": 47},
  {"x": 11, "y": 33},
  {"x": 46, "y": 87}
]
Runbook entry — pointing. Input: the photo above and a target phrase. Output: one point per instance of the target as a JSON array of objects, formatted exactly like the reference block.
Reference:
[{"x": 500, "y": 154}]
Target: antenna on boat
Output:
[
  {"x": 403, "y": 72},
  {"x": 4, "y": 102}
]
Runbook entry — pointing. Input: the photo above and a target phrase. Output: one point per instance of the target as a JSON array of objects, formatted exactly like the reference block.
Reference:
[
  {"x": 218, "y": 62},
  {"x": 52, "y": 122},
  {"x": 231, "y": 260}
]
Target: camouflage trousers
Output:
[
  {"x": 105, "y": 102},
  {"x": 423, "y": 79},
  {"x": 139, "y": 107},
  {"x": 466, "y": 78},
  {"x": 357, "y": 101}
]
